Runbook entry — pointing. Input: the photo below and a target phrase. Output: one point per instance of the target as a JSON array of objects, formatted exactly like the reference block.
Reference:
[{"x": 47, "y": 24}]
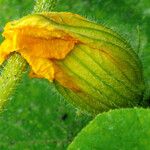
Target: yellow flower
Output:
[{"x": 91, "y": 65}]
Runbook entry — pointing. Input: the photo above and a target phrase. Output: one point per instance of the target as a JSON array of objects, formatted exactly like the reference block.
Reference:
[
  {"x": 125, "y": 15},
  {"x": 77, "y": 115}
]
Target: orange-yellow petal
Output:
[
  {"x": 41, "y": 67},
  {"x": 5, "y": 49},
  {"x": 46, "y": 48}
]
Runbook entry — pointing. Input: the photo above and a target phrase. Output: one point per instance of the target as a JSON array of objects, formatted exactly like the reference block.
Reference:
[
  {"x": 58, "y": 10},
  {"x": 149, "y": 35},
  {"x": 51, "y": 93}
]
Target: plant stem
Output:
[
  {"x": 44, "y": 5},
  {"x": 10, "y": 77},
  {"x": 13, "y": 70}
]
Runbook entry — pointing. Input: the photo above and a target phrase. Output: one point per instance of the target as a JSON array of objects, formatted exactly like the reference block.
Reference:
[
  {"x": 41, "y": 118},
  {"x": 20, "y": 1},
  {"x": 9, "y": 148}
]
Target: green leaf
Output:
[{"x": 125, "y": 129}]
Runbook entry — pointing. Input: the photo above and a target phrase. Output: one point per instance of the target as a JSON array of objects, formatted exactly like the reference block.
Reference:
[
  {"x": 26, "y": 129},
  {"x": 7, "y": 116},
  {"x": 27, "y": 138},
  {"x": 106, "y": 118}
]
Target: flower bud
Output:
[{"x": 92, "y": 66}]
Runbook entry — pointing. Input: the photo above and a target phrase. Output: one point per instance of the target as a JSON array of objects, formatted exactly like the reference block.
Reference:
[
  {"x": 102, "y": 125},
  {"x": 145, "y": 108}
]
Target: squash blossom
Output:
[{"x": 91, "y": 65}]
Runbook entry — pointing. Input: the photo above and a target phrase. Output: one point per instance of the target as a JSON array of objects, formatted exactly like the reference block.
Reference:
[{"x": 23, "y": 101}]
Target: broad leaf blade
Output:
[{"x": 118, "y": 129}]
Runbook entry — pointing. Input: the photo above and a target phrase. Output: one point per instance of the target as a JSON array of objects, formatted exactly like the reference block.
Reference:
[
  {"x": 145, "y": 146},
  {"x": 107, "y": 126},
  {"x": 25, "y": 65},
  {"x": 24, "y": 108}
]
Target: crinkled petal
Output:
[
  {"x": 41, "y": 67},
  {"x": 5, "y": 49},
  {"x": 45, "y": 48}
]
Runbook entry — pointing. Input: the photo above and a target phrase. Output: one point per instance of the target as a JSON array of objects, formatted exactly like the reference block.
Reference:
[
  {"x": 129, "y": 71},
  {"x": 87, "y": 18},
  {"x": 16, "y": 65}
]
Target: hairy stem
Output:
[
  {"x": 10, "y": 76},
  {"x": 44, "y": 5},
  {"x": 13, "y": 70}
]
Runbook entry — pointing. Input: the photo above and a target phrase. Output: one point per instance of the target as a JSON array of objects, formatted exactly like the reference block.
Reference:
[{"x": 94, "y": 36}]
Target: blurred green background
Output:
[{"x": 37, "y": 117}]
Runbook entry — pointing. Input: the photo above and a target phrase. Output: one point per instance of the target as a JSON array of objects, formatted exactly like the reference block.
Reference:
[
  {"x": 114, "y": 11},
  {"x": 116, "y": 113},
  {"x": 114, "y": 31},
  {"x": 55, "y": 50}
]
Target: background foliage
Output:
[{"x": 36, "y": 116}]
